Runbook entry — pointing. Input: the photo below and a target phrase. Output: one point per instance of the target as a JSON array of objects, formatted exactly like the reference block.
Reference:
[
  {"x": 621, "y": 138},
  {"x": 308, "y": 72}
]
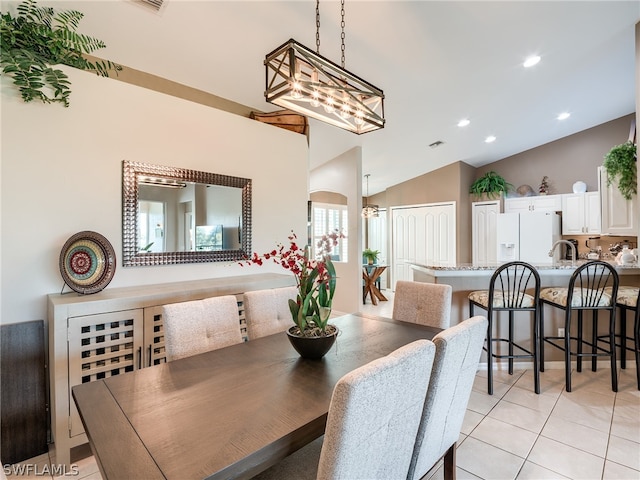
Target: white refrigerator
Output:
[{"x": 527, "y": 237}]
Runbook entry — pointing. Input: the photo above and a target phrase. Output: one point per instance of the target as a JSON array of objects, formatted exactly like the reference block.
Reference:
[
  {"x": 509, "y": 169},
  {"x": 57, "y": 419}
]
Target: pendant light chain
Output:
[
  {"x": 342, "y": 34},
  {"x": 318, "y": 27},
  {"x": 305, "y": 82}
]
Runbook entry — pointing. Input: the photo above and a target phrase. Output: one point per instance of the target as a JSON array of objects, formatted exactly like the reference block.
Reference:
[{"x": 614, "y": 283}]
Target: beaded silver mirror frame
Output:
[{"x": 131, "y": 254}]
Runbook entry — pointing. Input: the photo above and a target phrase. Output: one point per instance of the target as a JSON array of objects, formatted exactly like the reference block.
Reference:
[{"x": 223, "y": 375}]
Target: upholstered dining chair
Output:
[
  {"x": 423, "y": 303},
  {"x": 514, "y": 287},
  {"x": 198, "y": 326},
  {"x": 267, "y": 311},
  {"x": 372, "y": 422},
  {"x": 458, "y": 350},
  {"x": 627, "y": 300},
  {"x": 593, "y": 287}
]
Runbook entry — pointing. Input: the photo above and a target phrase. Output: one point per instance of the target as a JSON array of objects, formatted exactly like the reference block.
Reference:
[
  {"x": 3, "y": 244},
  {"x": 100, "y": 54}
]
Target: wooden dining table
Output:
[{"x": 227, "y": 413}]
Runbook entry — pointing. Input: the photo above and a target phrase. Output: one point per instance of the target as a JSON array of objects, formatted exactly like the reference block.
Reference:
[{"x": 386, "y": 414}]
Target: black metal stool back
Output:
[
  {"x": 593, "y": 286},
  {"x": 514, "y": 287}
]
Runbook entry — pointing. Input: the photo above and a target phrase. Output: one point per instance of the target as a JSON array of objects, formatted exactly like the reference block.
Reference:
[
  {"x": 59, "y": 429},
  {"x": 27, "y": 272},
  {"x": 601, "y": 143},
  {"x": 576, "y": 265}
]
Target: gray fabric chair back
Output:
[
  {"x": 423, "y": 303},
  {"x": 267, "y": 311},
  {"x": 457, "y": 355},
  {"x": 374, "y": 415},
  {"x": 200, "y": 325}
]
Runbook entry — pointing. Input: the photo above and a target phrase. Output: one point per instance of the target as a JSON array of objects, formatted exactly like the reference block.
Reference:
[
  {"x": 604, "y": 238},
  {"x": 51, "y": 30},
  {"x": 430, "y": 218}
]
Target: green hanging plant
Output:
[
  {"x": 491, "y": 184},
  {"x": 36, "y": 39},
  {"x": 621, "y": 163}
]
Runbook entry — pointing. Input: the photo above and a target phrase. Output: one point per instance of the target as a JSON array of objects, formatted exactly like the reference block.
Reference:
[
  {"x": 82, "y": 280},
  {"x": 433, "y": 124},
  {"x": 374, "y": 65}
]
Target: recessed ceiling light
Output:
[
  {"x": 490, "y": 139},
  {"x": 464, "y": 122},
  {"x": 564, "y": 116},
  {"x": 531, "y": 61}
]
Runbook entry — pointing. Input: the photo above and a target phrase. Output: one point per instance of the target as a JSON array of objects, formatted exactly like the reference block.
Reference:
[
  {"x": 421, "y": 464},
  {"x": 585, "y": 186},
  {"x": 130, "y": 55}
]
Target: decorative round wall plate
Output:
[{"x": 87, "y": 262}]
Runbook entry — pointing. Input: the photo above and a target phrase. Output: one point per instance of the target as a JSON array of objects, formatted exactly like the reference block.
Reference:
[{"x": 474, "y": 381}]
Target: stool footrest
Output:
[{"x": 527, "y": 354}]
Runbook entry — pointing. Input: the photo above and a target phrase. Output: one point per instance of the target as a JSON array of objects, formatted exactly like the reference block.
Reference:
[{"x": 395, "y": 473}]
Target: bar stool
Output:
[
  {"x": 587, "y": 290},
  {"x": 507, "y": 289},
  {"x": 628, "y": 299}
]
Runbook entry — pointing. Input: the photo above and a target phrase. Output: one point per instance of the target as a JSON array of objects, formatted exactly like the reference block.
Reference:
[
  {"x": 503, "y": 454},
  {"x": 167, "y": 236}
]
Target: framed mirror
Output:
[{"x": 174, "y": 215}]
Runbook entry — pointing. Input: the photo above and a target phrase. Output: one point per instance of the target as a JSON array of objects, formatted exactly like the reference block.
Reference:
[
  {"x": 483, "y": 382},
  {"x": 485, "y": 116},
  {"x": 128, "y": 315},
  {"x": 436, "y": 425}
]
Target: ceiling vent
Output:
[{"x": 155, "y": 5}]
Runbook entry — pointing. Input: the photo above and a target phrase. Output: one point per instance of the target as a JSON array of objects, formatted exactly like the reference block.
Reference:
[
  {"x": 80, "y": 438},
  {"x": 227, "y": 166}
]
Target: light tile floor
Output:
[{"x": 589, "y": 433}]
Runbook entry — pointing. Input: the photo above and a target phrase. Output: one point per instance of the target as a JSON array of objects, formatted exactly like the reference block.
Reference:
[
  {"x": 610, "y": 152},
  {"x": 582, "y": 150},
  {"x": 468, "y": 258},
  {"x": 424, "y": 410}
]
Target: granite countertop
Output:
[{"x": 561, "y": 265}]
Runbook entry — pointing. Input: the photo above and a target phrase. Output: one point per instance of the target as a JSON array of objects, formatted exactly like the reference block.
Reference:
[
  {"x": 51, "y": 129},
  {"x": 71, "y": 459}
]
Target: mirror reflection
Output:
[
  {"x": 188, "y": 218},
  {"x": 175, "y": 215}
]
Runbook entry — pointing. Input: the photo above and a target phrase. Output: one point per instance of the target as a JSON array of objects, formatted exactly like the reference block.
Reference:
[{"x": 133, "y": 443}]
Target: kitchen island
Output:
[{"x": 465, "y": 278}]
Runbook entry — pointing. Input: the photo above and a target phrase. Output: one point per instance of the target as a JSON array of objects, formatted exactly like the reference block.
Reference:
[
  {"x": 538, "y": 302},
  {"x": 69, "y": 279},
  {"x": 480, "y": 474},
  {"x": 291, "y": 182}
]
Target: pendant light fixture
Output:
[
  {"x": 369, "y": 211},
  {"x": 308, "y": 83}
]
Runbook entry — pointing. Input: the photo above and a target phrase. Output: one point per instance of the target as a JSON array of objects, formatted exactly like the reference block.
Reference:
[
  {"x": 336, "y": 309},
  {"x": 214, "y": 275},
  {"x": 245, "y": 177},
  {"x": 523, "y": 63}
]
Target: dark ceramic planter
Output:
[{"x": 312, "y": 347}]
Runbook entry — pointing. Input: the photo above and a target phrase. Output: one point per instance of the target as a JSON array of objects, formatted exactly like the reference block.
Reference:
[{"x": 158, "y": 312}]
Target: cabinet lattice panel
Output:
[{"x": 101, "y": 346}]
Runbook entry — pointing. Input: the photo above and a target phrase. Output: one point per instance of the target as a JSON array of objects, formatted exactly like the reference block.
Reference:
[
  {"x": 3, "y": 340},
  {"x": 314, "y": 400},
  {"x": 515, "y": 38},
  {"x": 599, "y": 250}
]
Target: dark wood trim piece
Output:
[{"x": 23, "y": 391}]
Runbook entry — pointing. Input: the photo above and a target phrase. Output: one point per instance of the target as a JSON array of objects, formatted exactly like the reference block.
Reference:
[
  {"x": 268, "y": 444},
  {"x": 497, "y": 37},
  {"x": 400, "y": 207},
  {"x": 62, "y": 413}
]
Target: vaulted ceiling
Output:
[{"x": 437, "y": 62}]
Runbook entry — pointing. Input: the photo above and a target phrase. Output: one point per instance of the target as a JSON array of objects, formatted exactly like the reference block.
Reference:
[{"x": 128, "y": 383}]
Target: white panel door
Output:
[
  {"x": 424, "y": 235},
  {"x": 483, "y": 232},
  {"x": 378, "y": 235},
  {"x": 404, "y": 244}
]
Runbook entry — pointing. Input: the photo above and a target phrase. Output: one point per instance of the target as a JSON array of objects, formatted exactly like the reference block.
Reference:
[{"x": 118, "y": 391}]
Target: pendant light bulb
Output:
[{"x": 329, "y": 105}]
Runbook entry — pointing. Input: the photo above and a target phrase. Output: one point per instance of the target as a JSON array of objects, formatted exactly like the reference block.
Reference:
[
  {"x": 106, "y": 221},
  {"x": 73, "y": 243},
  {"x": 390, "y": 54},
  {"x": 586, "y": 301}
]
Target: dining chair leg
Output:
[
  {"x": 567, "y": 348},
  {"x": 450, "y": 463}
]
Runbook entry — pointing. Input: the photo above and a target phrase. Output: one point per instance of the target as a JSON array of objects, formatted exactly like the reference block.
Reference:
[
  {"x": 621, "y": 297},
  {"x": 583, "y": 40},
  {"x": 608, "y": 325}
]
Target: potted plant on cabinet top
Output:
[
  {"x": 621, "y": 163},
  {"x": 370, "y": 255},
  {"x": 311, "y": 335},
  {"x": 490, "y": 184},
  {"x": 39, "y": 37}
]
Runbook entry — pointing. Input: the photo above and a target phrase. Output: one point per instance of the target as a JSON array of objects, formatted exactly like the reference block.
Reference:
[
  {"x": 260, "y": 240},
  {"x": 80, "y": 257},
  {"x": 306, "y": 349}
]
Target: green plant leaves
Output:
[
  {"x": 490, "y": 183},
  {"x": 39, "y": 38},
  {"x": 621, "y": 163}
]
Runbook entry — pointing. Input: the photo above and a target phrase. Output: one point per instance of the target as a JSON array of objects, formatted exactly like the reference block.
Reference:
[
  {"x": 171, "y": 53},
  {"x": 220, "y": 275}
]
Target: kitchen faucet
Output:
[{"x": 574, "y": 253}]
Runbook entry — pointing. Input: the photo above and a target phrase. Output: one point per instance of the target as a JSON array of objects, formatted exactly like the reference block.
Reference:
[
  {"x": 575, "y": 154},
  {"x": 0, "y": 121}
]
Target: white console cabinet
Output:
[{"x": 116, "y": 331}]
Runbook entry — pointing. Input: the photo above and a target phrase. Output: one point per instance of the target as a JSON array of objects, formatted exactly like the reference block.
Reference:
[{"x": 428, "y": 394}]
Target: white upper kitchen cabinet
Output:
[
  {"x": 541, "y": 203},
  {"x": 483, "y": 232},
  {"x": 619, "y": 215},
  {"x": 581, "y": 213}
]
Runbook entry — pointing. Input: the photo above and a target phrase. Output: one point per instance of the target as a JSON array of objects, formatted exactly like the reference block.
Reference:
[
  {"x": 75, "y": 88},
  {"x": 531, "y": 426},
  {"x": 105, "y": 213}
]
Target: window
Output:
[
  {"x": 328, "y": 218},
  {"x": 151, "y": 226}
]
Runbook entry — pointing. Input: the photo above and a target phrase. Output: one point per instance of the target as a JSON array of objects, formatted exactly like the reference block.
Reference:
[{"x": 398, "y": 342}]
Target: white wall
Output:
[
  {"x": 61, "y": 172},
  {"x": 343, "y": 175}
]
